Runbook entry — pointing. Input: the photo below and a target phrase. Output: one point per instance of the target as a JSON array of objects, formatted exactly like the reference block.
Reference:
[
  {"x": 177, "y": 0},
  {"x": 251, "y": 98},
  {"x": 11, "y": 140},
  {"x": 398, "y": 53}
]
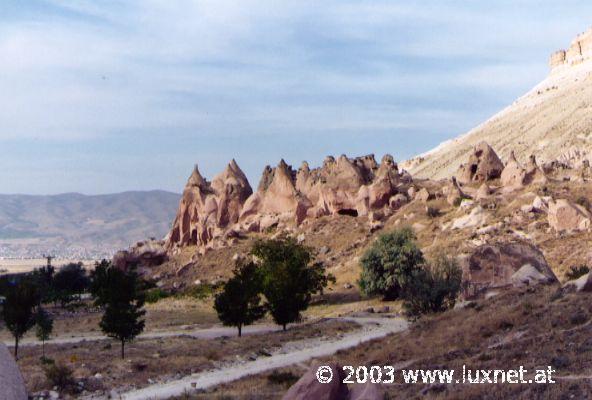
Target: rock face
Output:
[
  {"x": 12, "y": 386},
  {"x": 354, "y": 187},
  {"x": 566, "y": 216},
  {"x": 207, "y": 207},
  {"x": 144, "y": 254},
  {"x": 579, "y": 51},
  {"x": 483, "y": 165},
  {"x": 513, "y": 175},
  {"x": 504, "y": 265}
]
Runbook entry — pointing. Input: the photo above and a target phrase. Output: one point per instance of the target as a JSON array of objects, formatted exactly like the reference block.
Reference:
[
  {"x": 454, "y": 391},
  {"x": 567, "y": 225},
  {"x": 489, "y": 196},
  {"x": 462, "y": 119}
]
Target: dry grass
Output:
[
  {"x": 159, "y": 360},
  {"x": 532, "y": 328}
]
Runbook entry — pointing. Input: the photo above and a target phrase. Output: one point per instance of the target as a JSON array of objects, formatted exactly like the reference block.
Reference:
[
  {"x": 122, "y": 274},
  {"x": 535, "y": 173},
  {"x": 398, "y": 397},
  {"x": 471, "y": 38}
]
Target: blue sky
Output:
[{"x": 106, "y": 96}]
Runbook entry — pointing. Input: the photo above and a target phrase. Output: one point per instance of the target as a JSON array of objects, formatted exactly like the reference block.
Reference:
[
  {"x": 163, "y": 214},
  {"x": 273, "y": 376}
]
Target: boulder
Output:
[
  {"x": 397, "y": 201},
  {"x": 567, "y": 216},
  {"x": 514, "y": 175},
  {"x": 454, "y": 193},
  {"x": 484, "y": 192},
  {"x": 483, "y": 165},
  {"x": 308, "y": 387},
  {"x": 476, "y": 218},
  {"x": 495, "y": 266},
  {"x": 423, "y": 195},
  {"x": 12, "y": 385},
  {"x": 148, "y": 253},
  {"x": 366, "y": 391}
]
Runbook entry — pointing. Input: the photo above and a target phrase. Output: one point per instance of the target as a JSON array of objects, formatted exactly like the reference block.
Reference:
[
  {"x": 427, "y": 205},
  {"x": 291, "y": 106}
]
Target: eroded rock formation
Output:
[
  {"x": 496, "y": 266},
  {"x": 567, "y": 216},
  {"x": 483, "y": 165},
  {"x": 354, "y": 187},
  {"x": 579, "y": 51}
]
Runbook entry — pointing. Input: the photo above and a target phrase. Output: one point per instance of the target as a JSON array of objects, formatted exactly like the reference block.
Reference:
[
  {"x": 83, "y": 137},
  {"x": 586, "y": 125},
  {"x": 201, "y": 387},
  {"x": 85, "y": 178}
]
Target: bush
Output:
[
  {"x": 59, "y": 375},
  {"x": 154, "y": 295},
  {"x": 390, "y": 263},
  {"x": 577, "y": 271},
  {"x": 433, "y": 288},
  {"x": 202, "y": 291}
]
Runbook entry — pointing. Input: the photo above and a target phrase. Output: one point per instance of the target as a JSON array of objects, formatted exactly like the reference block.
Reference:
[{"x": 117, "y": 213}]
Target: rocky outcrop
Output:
[
  {"x": 579, "y": 51},
  {"x": 483, "y": 165},
  {"x": 563, "y": 215},
  {"x": 354, "y": 187},
  {"x": 513, "y": 175},
  {"x": 309, "y": 388},
  {"x": 143, "y": 254},
  {"x": 206, "y": 208},
  {"x": 12, "y": 386},
  {"x": 497, "y": 266}
]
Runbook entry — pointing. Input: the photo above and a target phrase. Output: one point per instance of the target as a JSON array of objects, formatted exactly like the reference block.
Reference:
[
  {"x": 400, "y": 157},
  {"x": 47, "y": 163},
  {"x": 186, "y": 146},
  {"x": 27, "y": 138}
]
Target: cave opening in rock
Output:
[{"x": 349, "y": 212}]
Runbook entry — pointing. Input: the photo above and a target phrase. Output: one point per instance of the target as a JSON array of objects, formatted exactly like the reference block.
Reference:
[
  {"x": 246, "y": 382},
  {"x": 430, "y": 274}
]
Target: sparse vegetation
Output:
[
  {"x": 432, "y": 212},
  {"x": 60, "y": 376},
  {"x": 156, "y": 294},
  {"x": 433, "y": 288},
  {"x": 44, "y": 327},
  {"x": 389, "y": 264}
]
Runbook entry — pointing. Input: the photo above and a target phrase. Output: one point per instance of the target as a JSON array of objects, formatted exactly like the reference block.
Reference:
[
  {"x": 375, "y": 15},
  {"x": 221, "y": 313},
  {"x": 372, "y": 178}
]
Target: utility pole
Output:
[{"x": 48, "y": 258}]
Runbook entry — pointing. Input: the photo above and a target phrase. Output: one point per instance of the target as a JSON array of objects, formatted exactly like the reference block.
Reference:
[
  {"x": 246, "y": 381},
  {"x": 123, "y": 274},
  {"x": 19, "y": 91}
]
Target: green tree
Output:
[
  {"x": 389, "y": 264},
  {"x": 239, "y": 303},
  {"x": 18, "y": 310},
  {"x": 121, "y": 293},
  {"x": 433, "y": 288},
  {"x": 289, "y": 278},
  {"x": 44, "y": 326},
  {"x": 69, "y": 281}
]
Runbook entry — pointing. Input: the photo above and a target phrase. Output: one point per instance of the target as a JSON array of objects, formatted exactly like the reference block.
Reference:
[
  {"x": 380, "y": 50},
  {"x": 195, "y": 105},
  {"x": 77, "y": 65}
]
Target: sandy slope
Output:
[{"x": 549, "y": 120}]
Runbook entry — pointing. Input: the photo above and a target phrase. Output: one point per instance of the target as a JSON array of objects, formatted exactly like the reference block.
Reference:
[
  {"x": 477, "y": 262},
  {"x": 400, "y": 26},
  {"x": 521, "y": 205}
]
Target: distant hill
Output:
[{"x": 73, "y": 225}]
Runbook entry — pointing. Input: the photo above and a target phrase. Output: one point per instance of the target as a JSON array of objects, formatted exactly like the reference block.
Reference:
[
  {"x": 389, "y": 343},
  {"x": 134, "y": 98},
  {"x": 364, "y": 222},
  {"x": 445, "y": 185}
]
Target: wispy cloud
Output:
[{"x": 82, "y": 71}]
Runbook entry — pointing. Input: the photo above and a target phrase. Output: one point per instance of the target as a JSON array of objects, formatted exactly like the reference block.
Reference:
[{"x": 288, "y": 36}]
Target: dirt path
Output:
[
  {"x": 199, "y": 333},
  {"x": 292, "y": 353}
]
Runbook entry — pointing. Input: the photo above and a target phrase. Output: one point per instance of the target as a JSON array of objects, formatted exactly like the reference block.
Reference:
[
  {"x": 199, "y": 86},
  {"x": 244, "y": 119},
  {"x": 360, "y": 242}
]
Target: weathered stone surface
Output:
[
  {"x": 476, "y": 218},
  {"x": 494, "y": 266},
  {"x": 454, "y": 194},
  {"x": 148, "y": 253},
  {"x": 308, "y": 386},
  {"x": 566, "y": 216},
  {"x": 12, "y": 386},
  {"x": 423, "y": 195},
  {"x": 579, "y": 51},
  {"x": 367, "y": 391},
  {"x": 483, "y": 165},
  {"x": 354, "y": 187},
  {"x": 513, "y": 175},
  {"x": 484, "y": 192}
]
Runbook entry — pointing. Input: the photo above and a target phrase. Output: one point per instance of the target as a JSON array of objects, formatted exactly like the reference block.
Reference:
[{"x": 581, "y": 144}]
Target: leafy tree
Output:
[
  {"x": 389, "y": 264},
  {"x": 43, "y": 280},
  {"x": 18, "y": 310},
  {"x": 121, "y": 294},
  {"x": 69, "y": 281},
  {"x": 44, "y": 326},
  {"x": 433, "y": 288},
  {"x": 289, "y": 278},
  {"x": 239, "y": 303}
]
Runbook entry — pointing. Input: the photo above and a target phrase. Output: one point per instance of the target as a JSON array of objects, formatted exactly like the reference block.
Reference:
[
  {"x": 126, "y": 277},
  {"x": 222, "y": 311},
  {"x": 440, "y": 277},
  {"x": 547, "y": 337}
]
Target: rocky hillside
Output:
[
  {"x": 74, "y": 225},
  {"x": 553, "y": 120}
]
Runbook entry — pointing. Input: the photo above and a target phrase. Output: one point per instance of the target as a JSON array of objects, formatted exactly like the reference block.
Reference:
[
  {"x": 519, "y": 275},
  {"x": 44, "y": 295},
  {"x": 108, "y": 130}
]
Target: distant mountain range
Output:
[{"x": 74, "y": 225}]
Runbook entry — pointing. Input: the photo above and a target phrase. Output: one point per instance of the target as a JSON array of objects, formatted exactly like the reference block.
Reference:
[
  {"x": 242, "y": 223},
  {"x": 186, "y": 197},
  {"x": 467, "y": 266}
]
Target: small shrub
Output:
[
  {"x": 432, "y": 212},
  {"x": 433, "y": 288},
  {"x": 282, "y": 378},
  {"x": 577, "y": 271},
  {"x": 202, "y": 291},
  {"x": 59, "y": 375},
  {"x": 154, "y": 295}
]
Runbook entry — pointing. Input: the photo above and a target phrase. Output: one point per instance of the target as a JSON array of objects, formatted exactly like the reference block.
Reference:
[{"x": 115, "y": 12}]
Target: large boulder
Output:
[
  {"x": 514, "y": 175},
  {"x": 564, "y": 215},
  {"x": 483, "y": 165},
  {"x": 12, "y": 386},
  {"x": 148, "y": 253},
  {"x": 498, "y": 266},
  {"x": 308, "y": 386}
]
